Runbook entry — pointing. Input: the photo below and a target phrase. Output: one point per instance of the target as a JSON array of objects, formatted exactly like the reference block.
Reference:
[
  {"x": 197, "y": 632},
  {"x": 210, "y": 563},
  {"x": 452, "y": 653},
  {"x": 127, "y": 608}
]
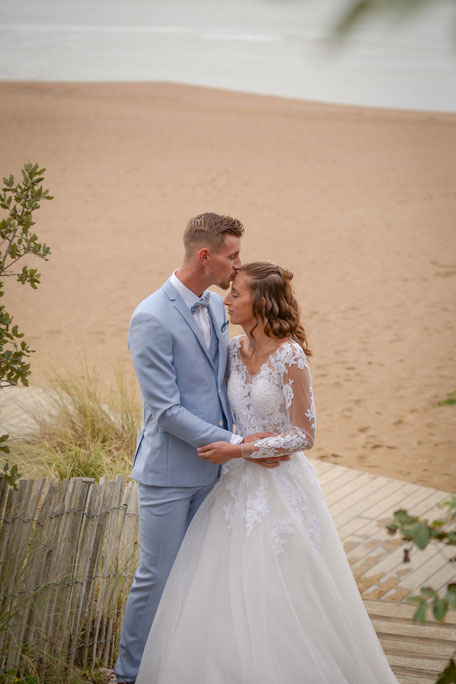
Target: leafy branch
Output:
[
  {"x": 420, "y": 533},
  {"x": 20, "y": 201},
  {"x": 17, "y": 240}
]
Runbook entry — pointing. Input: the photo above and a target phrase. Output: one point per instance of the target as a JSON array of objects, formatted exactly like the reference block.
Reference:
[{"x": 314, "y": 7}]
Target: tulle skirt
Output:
[{"x": 262, "y": 593}]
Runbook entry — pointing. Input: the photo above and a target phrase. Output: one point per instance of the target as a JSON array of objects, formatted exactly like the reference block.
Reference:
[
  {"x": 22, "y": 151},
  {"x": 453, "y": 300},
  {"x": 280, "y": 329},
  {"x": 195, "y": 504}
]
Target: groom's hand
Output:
[
  {"x": 219, "y": 452},
  {"x": 273, "y": 461}
]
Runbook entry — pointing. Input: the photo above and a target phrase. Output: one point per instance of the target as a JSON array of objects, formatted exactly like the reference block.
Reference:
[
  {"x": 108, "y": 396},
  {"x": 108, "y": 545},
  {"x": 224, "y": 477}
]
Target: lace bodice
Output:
[{"x": 277, "y": 399}]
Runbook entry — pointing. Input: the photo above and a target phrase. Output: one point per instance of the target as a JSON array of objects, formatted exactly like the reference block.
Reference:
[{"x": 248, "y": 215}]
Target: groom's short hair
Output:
[{"x": 210, "y": 230}]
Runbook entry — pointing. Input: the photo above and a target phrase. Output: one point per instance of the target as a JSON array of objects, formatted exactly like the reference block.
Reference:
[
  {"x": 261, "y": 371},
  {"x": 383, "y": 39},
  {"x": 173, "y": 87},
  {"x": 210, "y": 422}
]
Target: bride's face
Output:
[{"x": 239, "y": 302}]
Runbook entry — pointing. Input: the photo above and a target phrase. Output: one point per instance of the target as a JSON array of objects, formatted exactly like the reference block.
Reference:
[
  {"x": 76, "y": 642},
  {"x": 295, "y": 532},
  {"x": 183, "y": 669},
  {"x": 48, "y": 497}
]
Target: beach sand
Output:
[{"x": 359, "y": 203}]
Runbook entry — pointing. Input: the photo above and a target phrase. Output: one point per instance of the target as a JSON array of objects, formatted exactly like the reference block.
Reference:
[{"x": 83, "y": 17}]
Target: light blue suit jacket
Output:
[{"x": 185, "y": 404}]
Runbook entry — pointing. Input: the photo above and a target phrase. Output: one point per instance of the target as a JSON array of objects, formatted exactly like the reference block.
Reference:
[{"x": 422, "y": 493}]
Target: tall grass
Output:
[
  {"x": 37, "y": 665},
  {"x": 84, "y": 428}
]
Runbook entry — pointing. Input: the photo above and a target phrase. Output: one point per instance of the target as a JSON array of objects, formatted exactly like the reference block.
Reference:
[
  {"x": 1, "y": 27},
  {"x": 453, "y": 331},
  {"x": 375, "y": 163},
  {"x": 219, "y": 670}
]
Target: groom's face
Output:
[{"x": 224, "y": 263}]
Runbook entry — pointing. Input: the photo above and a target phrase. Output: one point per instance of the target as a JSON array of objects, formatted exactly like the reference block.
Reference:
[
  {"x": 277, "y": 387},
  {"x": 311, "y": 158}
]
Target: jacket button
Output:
[{"x": 221, "y": 423}]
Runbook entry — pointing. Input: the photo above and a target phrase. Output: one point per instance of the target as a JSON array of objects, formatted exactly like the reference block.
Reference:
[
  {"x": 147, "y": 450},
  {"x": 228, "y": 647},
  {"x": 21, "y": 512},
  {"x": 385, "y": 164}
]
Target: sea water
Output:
[{"x": 278, "y": 47}]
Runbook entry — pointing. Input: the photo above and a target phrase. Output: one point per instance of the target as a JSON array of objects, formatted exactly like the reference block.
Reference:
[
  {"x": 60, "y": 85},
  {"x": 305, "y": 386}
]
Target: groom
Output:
[{"x": 178, "y": 340}]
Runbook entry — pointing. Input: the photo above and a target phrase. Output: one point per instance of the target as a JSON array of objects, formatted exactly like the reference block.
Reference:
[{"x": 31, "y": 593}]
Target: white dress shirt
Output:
[{"x": 202, "y": 316}]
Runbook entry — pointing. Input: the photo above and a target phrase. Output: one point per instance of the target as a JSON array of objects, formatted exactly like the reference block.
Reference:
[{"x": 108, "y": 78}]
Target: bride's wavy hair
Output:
[{"x": 274, "y": 302}]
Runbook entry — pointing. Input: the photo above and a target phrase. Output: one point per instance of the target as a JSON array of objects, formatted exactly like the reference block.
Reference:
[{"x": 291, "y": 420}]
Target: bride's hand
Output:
[
  {"x": 272, "y": 462},
  {"x": 220, "y": 452},
  {"x": 259, "y": 435}
]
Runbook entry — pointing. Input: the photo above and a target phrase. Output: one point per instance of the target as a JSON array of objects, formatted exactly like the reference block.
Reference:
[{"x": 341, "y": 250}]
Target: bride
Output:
[{"x": 261, "y": 591}]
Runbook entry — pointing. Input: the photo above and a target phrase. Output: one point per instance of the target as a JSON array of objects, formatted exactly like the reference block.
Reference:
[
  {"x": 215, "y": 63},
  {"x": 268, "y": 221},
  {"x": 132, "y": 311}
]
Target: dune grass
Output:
[
  {"x": 84, "y": 428},
  {"x": 450, "y": 400}
]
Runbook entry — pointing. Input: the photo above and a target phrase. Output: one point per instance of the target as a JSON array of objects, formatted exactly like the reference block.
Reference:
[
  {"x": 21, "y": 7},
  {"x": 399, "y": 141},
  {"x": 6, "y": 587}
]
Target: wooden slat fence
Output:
[{"x": 68, "y": 552}]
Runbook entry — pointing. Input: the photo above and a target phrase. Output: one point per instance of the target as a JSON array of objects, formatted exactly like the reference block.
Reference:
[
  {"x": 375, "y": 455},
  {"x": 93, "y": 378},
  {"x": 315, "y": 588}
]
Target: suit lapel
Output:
[
  {"x": 215, "y": 324},
  {"x": 221, "y": 346},
  {"x": 187, "y": 315}
]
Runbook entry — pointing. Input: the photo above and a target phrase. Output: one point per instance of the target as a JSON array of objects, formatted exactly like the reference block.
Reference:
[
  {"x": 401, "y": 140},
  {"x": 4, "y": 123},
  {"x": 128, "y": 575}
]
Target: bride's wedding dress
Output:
[{"x": 261, "y": 591}]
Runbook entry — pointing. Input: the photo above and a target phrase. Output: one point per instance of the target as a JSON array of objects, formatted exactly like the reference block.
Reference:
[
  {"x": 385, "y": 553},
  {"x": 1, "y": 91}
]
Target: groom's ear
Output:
[{"x": 203, "y": 255}]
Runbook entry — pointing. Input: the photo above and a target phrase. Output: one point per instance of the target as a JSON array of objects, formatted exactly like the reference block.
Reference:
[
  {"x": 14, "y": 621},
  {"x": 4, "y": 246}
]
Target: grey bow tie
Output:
[{"x": 202, "y": 303}]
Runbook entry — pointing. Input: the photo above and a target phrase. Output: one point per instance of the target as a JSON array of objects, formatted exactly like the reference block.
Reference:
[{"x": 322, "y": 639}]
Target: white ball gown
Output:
[{"x": 261, "y": 591}]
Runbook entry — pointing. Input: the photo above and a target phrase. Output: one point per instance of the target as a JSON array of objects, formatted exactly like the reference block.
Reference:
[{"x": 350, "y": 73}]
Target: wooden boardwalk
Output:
[
  {"x": 416, "y": 653},
  {"x": 361, "y": 505}
]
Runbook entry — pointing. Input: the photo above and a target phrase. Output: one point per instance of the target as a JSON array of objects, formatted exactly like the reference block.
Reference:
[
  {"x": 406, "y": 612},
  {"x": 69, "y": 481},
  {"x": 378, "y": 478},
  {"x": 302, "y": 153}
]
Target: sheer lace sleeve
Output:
[{"x": 299, "y": 402}]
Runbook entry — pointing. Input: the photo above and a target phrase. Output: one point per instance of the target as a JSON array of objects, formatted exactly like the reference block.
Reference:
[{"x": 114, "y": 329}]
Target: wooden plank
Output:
[
  {"x": 425, "y": 566},
  {"x": 31, "y": 553},
  {"x": 320, "y": 467},
  {"x": 65, "y": 548},
  {"x": 390, "y": 562},
  {"x": 401, "y": 612},
  {"x": 15, "y": 549},
  {"x": 441, "y": 633},
  {"x": 57, "y": 566},
  {"x": 331, "y": 474},
  {"x": 416, "y": 495},
  {"x": 8, "y": 567},
  {"x": 443, "y": 576},
  {"x": 43, "y": 543},
  {"x": 417, "y": 664},
  {"x": 76, "y": 548},
  {"x": 423, "y": 508},
  {"x": 108, "y": 502},
  {"x": 347, "y": 492},
  {"x": 409, "y": 648},
  {"x": 363, "y": 507},
  {"x": 393, "y": 499},
  {"x": 362, "y": 493},
  {"x": 353, "y": 526},
  {"x": 85, "y": 563},
  {"x": 409, "y": 496},
  {"x": 332, "y": 488},
  {"x": 111, "y": 569},
  {"x": 100, "y": 522}
]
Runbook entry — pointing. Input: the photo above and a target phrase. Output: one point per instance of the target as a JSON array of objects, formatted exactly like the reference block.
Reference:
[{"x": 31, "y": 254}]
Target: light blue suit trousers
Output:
[
  {"x": 185, "y": 406},
  {"x": 164, "y": 515}
]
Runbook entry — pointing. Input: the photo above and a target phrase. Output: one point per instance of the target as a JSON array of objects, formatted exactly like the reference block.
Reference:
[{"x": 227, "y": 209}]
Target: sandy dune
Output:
[{"x": 359, "y": 203}]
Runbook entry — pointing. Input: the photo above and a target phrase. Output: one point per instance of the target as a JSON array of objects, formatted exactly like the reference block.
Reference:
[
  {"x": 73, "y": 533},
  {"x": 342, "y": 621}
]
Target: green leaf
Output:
[
  {"x": 439, "y": 608},
  {"x": 451, "y": 595},
  {"x": 448, "y": 676},
  {"x": 420, "y": 613},
  {"x": 438, "y": 523},
  {"x": 414, "y": 599},
  {"x": 451, "y": 537},
  {"x": 420, "y": 534},
  {"x": 428, "y": 591},
  {"x": 352, "y": 16}
]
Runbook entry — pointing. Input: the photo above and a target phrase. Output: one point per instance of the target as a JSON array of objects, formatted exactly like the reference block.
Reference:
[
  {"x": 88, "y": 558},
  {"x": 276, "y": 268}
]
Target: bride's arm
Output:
[
  {"x": 297, "y": 388},
  {"x": 222, "y": 452}
]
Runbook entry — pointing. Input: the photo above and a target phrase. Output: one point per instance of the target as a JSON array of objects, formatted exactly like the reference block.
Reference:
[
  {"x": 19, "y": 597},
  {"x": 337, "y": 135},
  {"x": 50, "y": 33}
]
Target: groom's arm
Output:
[{"x": 151, "y": 349}]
